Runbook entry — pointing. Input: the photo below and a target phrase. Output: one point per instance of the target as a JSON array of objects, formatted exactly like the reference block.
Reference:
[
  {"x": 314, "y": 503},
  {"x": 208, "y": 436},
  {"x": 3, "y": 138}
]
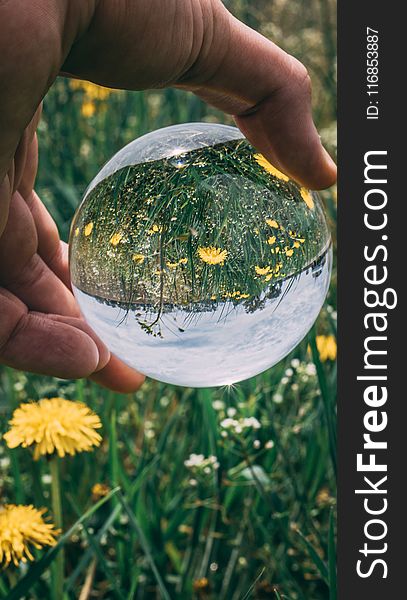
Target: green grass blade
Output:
[
  {"x": 15, "y": 470},
  {"x": 3, "y": 589},
  {"x": 145, "y": 546},
  {"x": 332, "y": 558},
  {"x": 100, "y": 557},
  {"x": 328, "y": 399},
  {"x": 316, "y": 559},
  {"x": 143, "y": 476},
  {"x": 251, "y": 588},
  {"x": 113, "y": 454},
  {"x": 85, "y": 559}
]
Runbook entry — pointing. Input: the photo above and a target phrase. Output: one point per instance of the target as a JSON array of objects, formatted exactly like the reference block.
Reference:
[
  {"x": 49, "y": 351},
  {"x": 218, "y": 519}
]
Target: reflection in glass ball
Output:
[{"x": 195, "y": 260}]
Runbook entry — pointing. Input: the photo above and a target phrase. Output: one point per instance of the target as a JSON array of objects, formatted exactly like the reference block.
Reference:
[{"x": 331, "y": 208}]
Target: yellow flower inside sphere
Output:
[{"x": 212, "y": 255}]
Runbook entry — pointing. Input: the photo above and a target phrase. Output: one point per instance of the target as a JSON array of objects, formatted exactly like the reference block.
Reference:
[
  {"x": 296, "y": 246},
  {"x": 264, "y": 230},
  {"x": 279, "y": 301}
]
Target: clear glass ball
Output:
[{"x": 195, "y": 260}]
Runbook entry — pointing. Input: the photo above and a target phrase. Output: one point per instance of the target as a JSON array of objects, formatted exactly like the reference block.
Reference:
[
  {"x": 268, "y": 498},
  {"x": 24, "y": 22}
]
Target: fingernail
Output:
[{"x": 329, "y": 160}]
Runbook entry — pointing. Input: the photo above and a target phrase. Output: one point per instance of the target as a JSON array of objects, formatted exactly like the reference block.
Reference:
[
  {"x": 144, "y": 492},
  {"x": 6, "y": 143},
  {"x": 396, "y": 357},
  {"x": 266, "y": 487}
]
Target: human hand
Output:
[{"x": 191, "y": 44}]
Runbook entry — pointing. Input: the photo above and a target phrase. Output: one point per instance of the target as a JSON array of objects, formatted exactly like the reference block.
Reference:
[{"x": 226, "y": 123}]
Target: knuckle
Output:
[
  {"x": 295, "y": 93},
  {"x": 14, "y": 328},
  {"x": 56, "y": 254},
  {"x": 32, "y": 272},
  {"x": 210, "y": 34}
]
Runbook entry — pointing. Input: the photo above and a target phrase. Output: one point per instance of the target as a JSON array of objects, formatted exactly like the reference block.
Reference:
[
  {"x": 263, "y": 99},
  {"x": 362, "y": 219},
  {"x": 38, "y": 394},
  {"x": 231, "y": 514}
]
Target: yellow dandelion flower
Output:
[
  {"x": 301, "y": 240},
  {"x": 261, "y": 270},
  {"x": 272, "y": 223},
  {"x": 324, "y": 498},
  {"x": 99, "y": 490},
  {"x": 155, "y": 229},
  {"x": 289, "y": 252},
  {"x": 183, "y": 261},
  {"x": 271, "y": 240},
  {"x": 76, "y": 232},
  {"x": 296, "y": 244},
  {"x": 212, "y": 255},
  {"x": 183, "y": 528},
  {"x": 201, "y": 584},
  {"x": 88, "y": 229},
  {"x": 263, "y": 162},
  {"x": 172, "y": 265},
  {"x": 21, "y": 527},
  {"x": 54, "y": 425},
  {"x": 244, "y": 296},
  {"x": 88, "y": 109},
  {"x": 269, "y": 276},
  {"x": 326, "y": 345},
  {"x": 307, "y": 197},
  {"x": 116, "y": 239},
  {"x": 277, "y": 249},
  {"x": 138, "y": 258}
]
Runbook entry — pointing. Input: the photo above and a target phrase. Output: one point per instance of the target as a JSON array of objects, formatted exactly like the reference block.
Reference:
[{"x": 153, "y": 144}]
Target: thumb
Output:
[
  {"x": 200, "y": 46},
  {"x": 268, "y": 92}
]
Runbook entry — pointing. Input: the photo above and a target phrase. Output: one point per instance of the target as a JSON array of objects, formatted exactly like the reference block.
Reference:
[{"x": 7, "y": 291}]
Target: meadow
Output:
[{"x": 222, "y": 493}]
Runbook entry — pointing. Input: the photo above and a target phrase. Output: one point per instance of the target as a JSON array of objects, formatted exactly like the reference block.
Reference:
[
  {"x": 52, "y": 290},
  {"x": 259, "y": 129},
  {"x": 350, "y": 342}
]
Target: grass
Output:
[
  {"x": 260, "y": 525},
  {"x": 143, "y": 228},
  {"x": 169, "y": 529}
]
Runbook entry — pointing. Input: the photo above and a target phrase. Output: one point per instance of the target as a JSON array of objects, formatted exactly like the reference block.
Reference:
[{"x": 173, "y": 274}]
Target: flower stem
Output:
[{"x": 58, "y": 564}]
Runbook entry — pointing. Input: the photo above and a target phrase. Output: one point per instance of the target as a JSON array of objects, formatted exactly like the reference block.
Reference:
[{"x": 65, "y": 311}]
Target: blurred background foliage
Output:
[{"x": 259, "y": 520}]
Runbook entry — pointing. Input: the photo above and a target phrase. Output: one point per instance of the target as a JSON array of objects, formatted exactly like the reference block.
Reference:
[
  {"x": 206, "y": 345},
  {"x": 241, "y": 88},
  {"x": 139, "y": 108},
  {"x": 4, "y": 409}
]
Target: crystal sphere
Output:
[{"x": 195, "y": 260}]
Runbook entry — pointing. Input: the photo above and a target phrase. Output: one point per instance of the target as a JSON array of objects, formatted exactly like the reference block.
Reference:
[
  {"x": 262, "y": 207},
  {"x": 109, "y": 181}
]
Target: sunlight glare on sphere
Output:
[{"x": 195, "y": 260}]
